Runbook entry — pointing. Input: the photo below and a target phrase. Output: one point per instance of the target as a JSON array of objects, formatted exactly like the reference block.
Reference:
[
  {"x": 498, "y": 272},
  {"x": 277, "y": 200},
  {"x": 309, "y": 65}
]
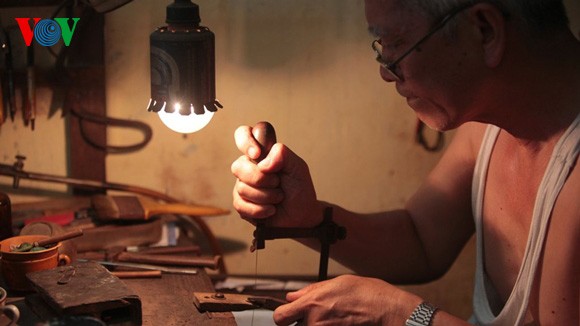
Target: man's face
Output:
[{"x": 437, "y": 77}]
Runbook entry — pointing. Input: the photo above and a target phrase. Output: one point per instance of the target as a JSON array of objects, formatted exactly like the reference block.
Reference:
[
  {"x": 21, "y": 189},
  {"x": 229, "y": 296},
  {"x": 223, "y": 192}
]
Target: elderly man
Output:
[{"x": 506, "y": 73}]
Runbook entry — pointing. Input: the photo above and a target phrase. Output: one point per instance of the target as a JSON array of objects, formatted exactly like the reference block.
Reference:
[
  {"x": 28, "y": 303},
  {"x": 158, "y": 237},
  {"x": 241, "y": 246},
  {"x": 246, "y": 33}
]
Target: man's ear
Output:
[{"x": 490, "y": 24}]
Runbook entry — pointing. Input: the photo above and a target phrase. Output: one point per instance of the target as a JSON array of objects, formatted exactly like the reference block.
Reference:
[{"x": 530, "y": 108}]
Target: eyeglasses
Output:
[{"x": 391, "y": 67}]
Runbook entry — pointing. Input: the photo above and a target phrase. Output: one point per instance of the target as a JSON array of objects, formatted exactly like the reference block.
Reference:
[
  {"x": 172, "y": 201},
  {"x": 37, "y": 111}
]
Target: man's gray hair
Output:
[{"x": 537, "y": 16}]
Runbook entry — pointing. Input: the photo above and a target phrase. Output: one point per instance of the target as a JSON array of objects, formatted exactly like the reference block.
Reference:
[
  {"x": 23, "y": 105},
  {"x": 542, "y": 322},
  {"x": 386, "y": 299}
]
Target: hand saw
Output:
[
  {"x": 327, "y": 232},
  {"x": 265, "y": 135}
]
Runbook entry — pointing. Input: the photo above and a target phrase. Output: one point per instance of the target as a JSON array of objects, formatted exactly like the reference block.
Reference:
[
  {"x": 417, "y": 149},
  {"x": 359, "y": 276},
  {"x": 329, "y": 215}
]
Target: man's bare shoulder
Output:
[{"x": 467, "y": 139}]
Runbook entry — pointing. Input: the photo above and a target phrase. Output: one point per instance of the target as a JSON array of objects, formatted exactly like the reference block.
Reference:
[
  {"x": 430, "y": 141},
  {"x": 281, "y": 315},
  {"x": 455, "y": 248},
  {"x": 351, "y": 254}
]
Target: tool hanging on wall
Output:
[
  {"x": 3, "y": 49},
  {"x": 327, "y": 232},
  {"x": 30, "y": 104},
  {"x": 8, "y": 89}
]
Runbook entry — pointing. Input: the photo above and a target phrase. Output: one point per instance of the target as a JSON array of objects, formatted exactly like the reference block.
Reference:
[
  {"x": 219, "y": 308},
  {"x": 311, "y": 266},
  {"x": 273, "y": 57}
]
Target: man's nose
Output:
[{"x": 386, "y": 75}]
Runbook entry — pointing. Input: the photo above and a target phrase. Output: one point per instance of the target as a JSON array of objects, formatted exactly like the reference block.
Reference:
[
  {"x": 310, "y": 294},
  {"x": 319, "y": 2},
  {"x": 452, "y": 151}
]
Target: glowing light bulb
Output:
[{"x": 185, "y": 124}]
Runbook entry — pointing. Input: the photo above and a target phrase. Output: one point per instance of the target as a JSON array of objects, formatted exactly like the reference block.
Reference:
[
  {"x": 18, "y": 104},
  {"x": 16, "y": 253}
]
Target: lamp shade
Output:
[{"x": 183, "y": 63}]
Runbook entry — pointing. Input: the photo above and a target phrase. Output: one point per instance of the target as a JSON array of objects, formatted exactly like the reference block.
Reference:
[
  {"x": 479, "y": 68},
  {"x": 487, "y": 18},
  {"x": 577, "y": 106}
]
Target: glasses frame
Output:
[{"x": 392, "y": 66}]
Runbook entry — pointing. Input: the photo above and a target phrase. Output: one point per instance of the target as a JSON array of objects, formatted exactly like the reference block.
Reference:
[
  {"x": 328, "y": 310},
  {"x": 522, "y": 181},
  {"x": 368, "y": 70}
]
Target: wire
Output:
[
  {"x": 84, "y": 116},
  {"x": 420, "y": 138}
]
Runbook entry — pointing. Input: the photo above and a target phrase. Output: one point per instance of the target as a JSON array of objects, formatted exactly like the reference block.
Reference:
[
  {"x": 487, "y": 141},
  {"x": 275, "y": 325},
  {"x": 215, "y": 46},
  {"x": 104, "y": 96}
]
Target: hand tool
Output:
[
  {"x": 118, "y": 254},
  {"x": 164, "y": 269},
  {"x": 10, "y": 92},
  {"x": 191, "y": 249},
  {"x": 265, "y": 135},
  {"x": 30, "y": 111},
  {"x": 26, "y": 246},
  {"x": 211, "y": 262},
  {"x": 327, "y": 232},
  {"x": 137, "y": 274},
  {"x": 3, "y": 106},
  {"x": 221, "y": 302},
  {"x": 139, "y": 208}
]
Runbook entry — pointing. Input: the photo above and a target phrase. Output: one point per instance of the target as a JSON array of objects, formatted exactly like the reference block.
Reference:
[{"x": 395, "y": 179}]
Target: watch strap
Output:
[{"x": 422, "y": 315}]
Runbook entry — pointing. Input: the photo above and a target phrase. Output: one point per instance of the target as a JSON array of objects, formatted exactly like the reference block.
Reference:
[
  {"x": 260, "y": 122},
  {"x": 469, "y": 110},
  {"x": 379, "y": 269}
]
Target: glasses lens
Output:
[{"x": 378, "y": 48}]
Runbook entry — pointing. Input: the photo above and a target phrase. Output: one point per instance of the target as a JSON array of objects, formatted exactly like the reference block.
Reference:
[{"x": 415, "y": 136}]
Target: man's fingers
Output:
[
  {"x": 259, "y": 195},
  {"x": 295, "y": 311},
  {"x": 246, "y": 143},
  {"x": 249, "y": 210},
  {"x": 282, "y": 159},
  {"x": 249, "y": 173},
  {"x": 289, "y": 313}
]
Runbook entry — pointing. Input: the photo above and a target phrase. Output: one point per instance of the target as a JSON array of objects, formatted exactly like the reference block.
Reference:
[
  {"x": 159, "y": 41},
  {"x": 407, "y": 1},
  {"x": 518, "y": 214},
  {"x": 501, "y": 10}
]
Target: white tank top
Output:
[{"x": 484, "y": 297}]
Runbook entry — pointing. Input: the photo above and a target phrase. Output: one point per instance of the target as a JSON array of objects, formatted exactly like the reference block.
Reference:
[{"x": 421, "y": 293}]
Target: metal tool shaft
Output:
[{"x": 164, "y": 269}]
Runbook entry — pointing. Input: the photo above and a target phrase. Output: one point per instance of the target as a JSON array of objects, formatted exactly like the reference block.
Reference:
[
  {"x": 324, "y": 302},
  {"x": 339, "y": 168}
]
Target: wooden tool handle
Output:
[
  {"x": 153, "y": 208},
  {"x": 265, "y": 134},
  {"x": 175, "y": 260},
  {"x": 59, "y": 238},
  {"x": 137, "y": 274},
  {"x": 189, "y": 249}
]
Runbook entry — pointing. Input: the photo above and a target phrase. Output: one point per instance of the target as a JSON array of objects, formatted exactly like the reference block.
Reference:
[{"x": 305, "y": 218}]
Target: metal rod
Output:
[{"x": 165, "y": 269}]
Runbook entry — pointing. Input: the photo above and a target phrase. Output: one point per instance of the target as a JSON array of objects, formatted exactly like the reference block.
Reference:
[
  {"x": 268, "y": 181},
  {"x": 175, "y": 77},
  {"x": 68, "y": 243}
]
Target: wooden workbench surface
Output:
[
  {"x": 164, "y": 301},
  {"x": 169, "y": 300}
]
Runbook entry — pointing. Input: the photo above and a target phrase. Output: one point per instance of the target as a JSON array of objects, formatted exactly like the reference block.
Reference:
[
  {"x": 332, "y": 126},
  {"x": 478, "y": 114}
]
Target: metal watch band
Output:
[{"x": 422, "y": 315}]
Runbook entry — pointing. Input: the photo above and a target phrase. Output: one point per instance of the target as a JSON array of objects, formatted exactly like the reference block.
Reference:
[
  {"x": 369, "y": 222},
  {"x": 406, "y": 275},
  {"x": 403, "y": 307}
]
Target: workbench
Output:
[{"x": 164, "y": 301}]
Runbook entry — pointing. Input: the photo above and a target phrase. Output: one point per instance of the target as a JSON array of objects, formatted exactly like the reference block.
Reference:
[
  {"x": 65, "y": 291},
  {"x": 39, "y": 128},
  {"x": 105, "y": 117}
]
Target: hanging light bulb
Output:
[
  {"x": 183, "y": 70},
  {"x": 184, "y": 124}
]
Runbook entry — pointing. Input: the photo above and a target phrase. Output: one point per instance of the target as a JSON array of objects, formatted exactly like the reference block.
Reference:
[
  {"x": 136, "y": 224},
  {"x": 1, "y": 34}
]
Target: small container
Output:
[{"x": 15, "y": 265}]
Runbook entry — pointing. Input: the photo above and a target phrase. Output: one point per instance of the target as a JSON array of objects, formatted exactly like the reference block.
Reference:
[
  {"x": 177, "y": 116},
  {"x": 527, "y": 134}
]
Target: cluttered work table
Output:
[
  {"x": 155, "y": 283},
  {"x": 164, "y": 301}
]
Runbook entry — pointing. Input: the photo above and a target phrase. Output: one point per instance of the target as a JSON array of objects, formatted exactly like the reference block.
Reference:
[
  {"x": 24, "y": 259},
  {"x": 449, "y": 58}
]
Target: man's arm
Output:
[{"x": 418, "y": 243}]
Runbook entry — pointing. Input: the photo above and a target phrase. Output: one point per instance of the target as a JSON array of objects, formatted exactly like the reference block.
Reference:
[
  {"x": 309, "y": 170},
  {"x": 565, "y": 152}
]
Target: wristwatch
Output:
[{"x": 422, "y": 315}]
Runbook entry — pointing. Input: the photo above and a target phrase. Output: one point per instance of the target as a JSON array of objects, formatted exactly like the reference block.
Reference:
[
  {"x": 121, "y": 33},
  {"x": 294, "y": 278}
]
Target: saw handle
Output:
[{"x": 265, "y": 134}]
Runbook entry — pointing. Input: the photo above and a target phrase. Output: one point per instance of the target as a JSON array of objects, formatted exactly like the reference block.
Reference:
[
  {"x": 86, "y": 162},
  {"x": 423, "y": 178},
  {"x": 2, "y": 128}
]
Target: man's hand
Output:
[
  {"x": 347, "y": 300},
  {"x": 279, "y": 187}
]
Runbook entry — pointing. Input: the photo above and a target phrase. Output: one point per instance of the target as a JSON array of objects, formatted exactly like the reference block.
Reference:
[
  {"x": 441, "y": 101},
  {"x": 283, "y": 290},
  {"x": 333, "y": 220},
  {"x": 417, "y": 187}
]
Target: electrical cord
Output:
[
  {"x": 113, "y": 122},
  {"x": 420, "y": 138}
]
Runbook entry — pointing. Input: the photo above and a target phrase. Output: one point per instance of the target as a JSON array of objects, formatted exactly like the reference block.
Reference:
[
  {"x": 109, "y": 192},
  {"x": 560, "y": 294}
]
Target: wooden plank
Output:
[
  {"x": 87, "y": 289},
  {"x": 86, "y": 93}
]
